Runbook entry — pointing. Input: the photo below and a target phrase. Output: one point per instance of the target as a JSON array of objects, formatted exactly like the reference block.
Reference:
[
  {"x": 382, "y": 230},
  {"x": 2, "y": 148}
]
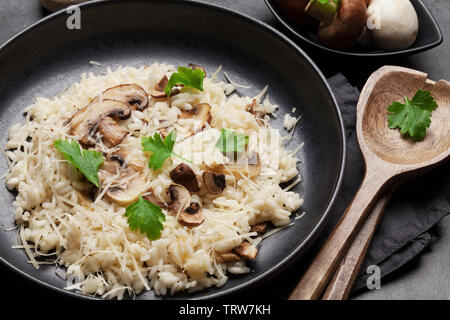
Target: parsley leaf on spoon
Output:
[{"x": 414, "y": 116}]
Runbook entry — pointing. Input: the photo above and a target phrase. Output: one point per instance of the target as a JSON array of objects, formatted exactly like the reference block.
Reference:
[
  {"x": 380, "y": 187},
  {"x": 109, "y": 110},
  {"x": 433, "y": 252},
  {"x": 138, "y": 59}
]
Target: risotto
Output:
[{"x": 215, "y": 205}]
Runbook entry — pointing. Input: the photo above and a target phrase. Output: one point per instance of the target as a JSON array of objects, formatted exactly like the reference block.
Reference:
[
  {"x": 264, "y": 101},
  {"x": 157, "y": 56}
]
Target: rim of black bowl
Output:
[
  {"x": 319, "y": 225},
  {"x": 407, "y": 51}
]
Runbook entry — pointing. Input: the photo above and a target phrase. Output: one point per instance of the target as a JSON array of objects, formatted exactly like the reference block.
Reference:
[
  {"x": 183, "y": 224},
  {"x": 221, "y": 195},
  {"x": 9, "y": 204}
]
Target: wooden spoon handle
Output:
[
  {"x": 344, "y": 278},
  {"x": 325, "y": 263}
]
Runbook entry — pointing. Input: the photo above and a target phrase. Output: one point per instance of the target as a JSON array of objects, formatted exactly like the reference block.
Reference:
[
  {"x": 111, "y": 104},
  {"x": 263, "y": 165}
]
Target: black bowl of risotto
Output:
[{"x": 71, "y": 236}]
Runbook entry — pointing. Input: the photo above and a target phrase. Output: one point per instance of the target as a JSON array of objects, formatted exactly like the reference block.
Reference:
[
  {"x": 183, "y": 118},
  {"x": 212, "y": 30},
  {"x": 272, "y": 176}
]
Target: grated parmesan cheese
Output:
[{"x": 102, "y": 255}]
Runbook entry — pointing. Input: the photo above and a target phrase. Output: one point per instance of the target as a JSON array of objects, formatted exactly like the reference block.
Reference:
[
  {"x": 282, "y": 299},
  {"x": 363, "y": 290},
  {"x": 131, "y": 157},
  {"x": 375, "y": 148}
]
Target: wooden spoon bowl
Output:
[
  {"x": 388, "y": 157},
  {"x": 393, "y": 84}
]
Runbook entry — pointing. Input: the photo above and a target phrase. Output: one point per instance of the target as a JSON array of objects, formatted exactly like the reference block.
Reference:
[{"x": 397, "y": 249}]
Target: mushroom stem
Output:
[{"x": 324, "y": 11}]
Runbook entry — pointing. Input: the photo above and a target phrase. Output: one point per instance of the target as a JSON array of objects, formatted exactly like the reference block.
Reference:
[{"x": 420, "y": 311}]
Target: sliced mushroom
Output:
[
  {"x": 112, "y": 133},
  {"x": 131, "y": 94},
  {"x": 125, "y": 160},
  {"x": 125, "y": 196},
  {"x": 251, "y": 169},
  {"x": 192, "y": 216},
  {"x": 85, "y": 200},
  {"x": 150, "y": 196},
  {"x": 184, "y": 175},
  {"x": 134, "y": 183},
  {"x": 215, "y": 183},
  {"x": 158, "y": 90},
  {"x": 195, "y": 66},
  {"x": 246, "y": 251},
  {"x": 257, "y": 112},
  {"x": 85, "y": 121},
  {"x": 259, "y": 228},
  {"x": 228, "y": 257},
  {"x": 180, "y": 198},
  {"x": 199, "y": 112}
]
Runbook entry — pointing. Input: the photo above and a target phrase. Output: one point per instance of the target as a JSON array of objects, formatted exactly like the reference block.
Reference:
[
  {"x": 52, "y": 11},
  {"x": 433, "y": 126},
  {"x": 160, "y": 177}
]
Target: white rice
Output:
[{"x": 102, "y": 255}]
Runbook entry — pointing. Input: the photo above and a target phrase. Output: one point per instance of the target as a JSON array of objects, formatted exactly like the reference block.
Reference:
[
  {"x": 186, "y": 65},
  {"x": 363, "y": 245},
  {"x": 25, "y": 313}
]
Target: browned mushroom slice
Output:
[
  {"x": 200, "y": 112},
  {"x": 180, "y": 198},
  {"x": 158, "y": 90},
  {"x": 257, "y": 112},
  {"x": 259, "y": 228},
  {"x": 215, "y": 183},
  {"x": 195, "y": 66},
  {"x": 85, "y": 121},
  {"x": 150, "y": 196},
  {"x": 251, "y": 169},
  {"x": 112, "y": 133},
  {"x": 125, "y": 160},
  {"x": 85, "y": 201},
  {"x": 192, "y": 216},
  {"x": 184, "y": 175},
  {"x": 228, "y": 257},
  {"x": 131, "y": 94},
  {"x": 246, "y": 251}
]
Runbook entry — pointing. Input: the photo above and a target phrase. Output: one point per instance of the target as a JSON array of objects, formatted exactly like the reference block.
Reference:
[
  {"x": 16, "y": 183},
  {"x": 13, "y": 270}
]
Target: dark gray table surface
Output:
[{"x": 427, "y": 277}]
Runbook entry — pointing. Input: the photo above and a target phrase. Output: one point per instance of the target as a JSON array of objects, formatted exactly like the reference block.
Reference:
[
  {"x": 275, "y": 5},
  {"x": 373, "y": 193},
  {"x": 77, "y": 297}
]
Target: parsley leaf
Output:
[
  {"x": 231, "y": 141},
  {"x": 161, "y": 150},
  {"x": 186, "y": 76},
  {"x": 145, "y": 217},
  {"x": 87, "y": 161},
  {"x": 414, "y": 116}
]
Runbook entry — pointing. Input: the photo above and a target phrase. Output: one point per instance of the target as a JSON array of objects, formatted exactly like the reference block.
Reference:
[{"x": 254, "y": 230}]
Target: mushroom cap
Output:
[
  {"x": 196, "y": 66},
  {"x": 112, "y": 133},
  {"x": 227, "y": 257},
  {"x": 115, "y": 165},
  {"x": 150, "y": 196},
  {"x": 398, "y": 24},
  {"x": 128, "y": 195},
  {"x": 184, "y": 175},
  {"x": 179, "y": 196},
  {"x": 346, "y": 29},
  {"x": 192, "y": 216},
  {"x": 132, "y": 95},
  {"x": 214, "y": 183},
  {"x": 85, "y": 121},
  {"x": 246, "y": 250},
  {"x": 158, "y": 90}
]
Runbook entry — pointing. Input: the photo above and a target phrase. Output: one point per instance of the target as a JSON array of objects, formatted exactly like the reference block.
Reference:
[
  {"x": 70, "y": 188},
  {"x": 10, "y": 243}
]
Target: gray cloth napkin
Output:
[{"x": 404, "y": 231}]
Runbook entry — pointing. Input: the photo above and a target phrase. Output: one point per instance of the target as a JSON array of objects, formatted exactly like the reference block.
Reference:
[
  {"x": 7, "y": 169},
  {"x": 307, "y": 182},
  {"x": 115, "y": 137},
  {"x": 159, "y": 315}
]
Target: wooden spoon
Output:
[
  {"x": 341, "y": 285},
  {"x": 388, "y": 157}
]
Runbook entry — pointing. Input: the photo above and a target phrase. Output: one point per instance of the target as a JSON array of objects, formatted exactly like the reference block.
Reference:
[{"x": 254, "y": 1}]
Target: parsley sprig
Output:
[
  {"x": 161, "y": 149},
  {"x": 414, "y": 116},
  {"x": 186, "y": 76},
  {"x": 146, "y": 217},
  {"x": 87, "y": 161}
]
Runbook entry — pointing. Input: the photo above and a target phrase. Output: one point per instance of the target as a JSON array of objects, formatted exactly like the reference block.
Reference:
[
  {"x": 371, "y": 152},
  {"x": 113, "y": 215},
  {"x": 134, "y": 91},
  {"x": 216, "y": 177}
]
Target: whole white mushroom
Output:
[{"x": 393, "y": 24}]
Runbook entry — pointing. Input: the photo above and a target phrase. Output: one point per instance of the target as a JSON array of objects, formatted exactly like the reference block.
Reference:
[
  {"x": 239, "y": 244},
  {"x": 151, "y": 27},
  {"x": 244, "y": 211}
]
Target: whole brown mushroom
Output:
[{"x": 343, "y": 28}]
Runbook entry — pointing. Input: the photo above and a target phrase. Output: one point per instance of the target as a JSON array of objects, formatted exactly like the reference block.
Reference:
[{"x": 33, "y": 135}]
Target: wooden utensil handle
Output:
[
  {"x": 344, "y": 278},
  {"x": 325, "y": 263}
]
